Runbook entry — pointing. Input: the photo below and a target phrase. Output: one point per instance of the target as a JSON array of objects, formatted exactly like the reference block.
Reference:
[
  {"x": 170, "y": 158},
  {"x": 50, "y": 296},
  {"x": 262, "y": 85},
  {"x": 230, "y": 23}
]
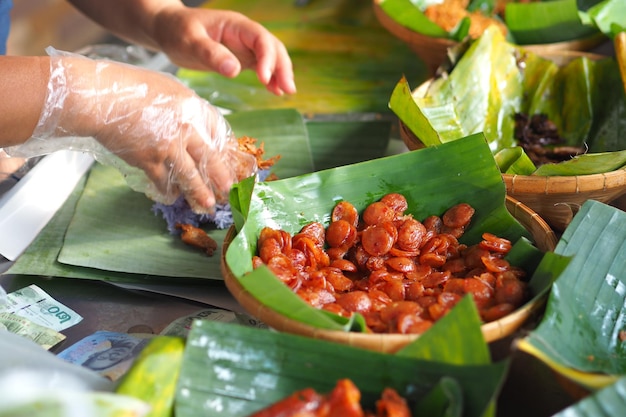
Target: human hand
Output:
[
  {"x": 225, "y": 42},
  {"x": 165, "y": 139}
]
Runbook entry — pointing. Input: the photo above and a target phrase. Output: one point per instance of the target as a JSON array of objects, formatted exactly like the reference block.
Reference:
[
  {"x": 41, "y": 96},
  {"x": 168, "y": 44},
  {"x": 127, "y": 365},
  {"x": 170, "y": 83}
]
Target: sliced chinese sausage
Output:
[
  {"x": 458, "y": 216},
  {"x": 411, "y": 234},
  {"x": 396, "y": 201},
  {"x": 377, "y": 240},
  {"x": 345, "y": 211},
  {"x": 400, "y": 273},
  {"x": 378, "y": 212},
  {"x": 340, "y": 233}
]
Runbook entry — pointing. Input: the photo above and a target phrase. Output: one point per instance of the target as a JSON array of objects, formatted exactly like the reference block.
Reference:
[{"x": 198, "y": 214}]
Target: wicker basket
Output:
[
  {"x": 555, "y": 199},
  {"x": 433, "y": 51},
  {"x": 543, "y": 236}
]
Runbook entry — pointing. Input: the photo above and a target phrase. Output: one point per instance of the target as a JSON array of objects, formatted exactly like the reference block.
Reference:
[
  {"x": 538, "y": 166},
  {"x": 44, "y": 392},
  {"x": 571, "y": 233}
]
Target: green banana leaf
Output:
[
  {"x": 595, "y": 163},
  {"x": 343, "y": 60},
  {"x": 486, "y": 87},
  {"x": 514, "y": 161},
  {"x": 530, "y": 23},
  {"x": 607, "y": 402},
  {"x": 609, "y": 16},
  {"x": 291, "y": 203},
  {"x": 282, "y": 131},
  {"x": 581, "y": 335},
  {"x": 40, "y": 258},
  {"x": 231, "y": 370},
  {"x": 410, "y": 15},
  {"x": 546, "y": 22}
]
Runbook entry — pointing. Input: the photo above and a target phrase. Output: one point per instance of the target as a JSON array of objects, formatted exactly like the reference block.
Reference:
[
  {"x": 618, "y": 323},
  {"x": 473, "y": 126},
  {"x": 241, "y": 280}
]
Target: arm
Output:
[
  {"x": 197, "y": 38},
  {"x": 179, "y": 142},
  {"x": 23, "y": 82}
]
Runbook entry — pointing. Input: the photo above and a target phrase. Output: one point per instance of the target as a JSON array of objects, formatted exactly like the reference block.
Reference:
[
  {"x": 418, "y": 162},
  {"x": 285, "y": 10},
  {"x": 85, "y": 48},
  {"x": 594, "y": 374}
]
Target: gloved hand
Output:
[{"x": 163, "y": 137}]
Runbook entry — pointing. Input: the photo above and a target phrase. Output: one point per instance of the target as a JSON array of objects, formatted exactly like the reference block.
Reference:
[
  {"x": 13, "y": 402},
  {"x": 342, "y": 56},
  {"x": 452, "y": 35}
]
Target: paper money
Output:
[
  {"x": 43, "y": 336},
  {"x": 180, "y": 327},
  {"x": 109, "y": 353},
  {"x": 36, "y": 305}
]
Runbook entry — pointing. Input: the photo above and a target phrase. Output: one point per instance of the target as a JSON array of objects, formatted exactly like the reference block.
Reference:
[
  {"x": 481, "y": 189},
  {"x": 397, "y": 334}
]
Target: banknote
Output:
[
  {"x": 43, "y": 336},
  {"x": 109, "y": 353},
  {"x": 36, "y": 305},
  {"x": 181, "y": 326}
]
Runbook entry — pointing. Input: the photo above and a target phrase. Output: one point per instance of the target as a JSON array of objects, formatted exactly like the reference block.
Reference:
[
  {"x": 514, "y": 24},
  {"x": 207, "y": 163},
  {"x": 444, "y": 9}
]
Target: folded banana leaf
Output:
[
  {"x": 487, "y": 86},
  {"x": 582, "y": 334},
  {"x": 231, "y": 370},
  {"x": 607, "y": 15},
  {"x": 547, "y": 21},
  {"x": 465, "y": 171},
  {"x": 343, "y": 60},
  {"x": 539, "y": 22},
  {"x": 113, "y": 206}
]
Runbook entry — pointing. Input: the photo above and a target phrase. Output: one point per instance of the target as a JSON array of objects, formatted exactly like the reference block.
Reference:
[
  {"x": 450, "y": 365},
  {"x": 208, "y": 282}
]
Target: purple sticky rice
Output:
[{"x": 180, "y": 212}]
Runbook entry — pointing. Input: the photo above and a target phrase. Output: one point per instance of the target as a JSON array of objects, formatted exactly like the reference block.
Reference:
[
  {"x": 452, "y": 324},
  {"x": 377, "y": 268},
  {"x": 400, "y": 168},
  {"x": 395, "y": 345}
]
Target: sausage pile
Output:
[
  {"x": 343, "y": 400},
  {"x": 400, "y": 273}
]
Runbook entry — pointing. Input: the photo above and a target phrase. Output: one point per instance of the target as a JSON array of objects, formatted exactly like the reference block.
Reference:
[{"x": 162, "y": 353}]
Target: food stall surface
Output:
[{"x": 149, "y": 307}]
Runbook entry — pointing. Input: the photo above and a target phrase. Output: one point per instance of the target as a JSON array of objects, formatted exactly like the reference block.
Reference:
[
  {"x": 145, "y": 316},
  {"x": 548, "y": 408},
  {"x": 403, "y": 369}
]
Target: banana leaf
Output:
[
  {"x": 546, "y": 22},
  {"x": 282, "y": 131},
  {"x": 487, "y": 87},
  {"x": 40, "y": 258},
  {"x": 410, "y": 15},
  {"x": 231, "y": 371},
  {"x": 539, "y": 22},
  {"x": 581, "y": 334},
  {"x": 595, "y": 163},
  {"x": 609, "y": 16},
  {"x": 607, "y": 402},
  {"x": 514, "y": 161},
  {"x": 291, "y": 203},
  {"x": 343, "y": 60}
]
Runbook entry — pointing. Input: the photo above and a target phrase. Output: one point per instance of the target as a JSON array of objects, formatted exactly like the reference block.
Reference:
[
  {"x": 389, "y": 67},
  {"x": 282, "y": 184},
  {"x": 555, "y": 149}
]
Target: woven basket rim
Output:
[
  {"x": 390, "y": 343},
  {"x": 416, "y": 39},
  {"x": 612, "y": 178}
]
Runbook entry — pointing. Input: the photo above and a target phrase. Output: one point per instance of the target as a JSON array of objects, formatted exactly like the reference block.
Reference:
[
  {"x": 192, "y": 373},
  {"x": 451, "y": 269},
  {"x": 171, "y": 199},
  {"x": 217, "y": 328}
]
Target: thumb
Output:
[{"x": 219, "y": 58}]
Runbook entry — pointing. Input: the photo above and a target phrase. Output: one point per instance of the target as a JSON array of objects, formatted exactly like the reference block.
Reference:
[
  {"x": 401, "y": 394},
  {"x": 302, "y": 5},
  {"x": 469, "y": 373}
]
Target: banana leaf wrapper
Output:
[
  {"x": 582, "y": 334},
  {"x": 229, "y": 370},
  {"x": 487, "y": 86},
  {"x": 108, "y": 232},
  {"x": 533, "y": 23},
  {"x": 466, "y": 172}
]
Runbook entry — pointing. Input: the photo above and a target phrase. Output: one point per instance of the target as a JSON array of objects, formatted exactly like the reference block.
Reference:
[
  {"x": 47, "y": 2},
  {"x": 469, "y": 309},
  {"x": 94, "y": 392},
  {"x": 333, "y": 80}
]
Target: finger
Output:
[
  {"x": 216, "y": 56},
  {"x": 196, "y": 189},
  {"x": 275, "y": 70},
  {"x": 164, "y": 188}
]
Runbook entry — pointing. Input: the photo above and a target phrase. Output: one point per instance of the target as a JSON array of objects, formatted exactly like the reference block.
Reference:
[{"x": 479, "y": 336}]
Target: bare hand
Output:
[{"x": 226, "y": 42}]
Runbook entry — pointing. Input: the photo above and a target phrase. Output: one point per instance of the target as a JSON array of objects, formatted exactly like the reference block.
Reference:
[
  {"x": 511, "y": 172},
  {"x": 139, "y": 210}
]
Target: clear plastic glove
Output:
[{"x": 164, "y": 138}]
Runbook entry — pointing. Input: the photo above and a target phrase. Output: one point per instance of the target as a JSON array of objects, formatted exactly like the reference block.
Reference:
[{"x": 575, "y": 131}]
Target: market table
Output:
[{"x": 530, "y": 389}]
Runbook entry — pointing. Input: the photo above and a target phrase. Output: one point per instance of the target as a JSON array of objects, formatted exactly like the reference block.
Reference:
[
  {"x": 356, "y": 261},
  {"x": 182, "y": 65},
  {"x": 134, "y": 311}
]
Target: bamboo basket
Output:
[
  {"x": 433, "y": 51},
  {"x": 555, "y": 199},
  {"x": 542, "y": 234}
]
